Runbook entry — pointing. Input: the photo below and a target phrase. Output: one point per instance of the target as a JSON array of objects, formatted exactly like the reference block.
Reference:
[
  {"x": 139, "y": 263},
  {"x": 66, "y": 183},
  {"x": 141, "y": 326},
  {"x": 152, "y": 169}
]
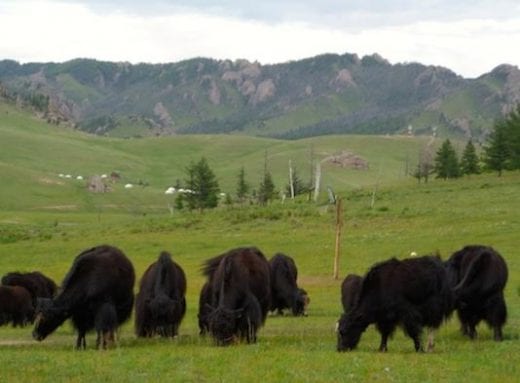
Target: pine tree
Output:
[
  {"x": 469, "y": 160},
  {"x": 503, "y": 145},
  {"x": 266, "y": 189},
  {"x": 446, "y": 161},
  {"x": 513, "y": 138},
  {"x": 203, "y": 186},
  {"x": 242, "y": 185},
  {"x": 299, "y": 186},
  {"x": 497, "y": 149}
]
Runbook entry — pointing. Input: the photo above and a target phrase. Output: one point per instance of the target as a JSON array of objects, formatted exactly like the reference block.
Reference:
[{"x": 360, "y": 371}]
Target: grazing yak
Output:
[
  {"x": 96, "y": 293},
  {"x": 160, "y": 304},
  {"x": 38, "y": 285},
  {"x": 15, "y": 306},
  {"x": 478, "y": 275},
  {"x": 240, "y": 294},
  {"x": 350, "y": 288},
  {"x": 412, "y": 293},
  {"x": 285, "y": 292}
]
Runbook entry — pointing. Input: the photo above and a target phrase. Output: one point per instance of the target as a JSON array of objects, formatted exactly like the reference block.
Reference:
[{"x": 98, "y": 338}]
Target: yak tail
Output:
[
  {"x": 164, "y": 265},
  {"x": 209, "y": 267},
  {"x": 467, "y": 286}
]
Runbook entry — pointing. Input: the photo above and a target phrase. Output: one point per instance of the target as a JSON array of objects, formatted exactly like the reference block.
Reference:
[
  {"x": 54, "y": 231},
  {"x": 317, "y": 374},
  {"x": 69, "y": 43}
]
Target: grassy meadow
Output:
[{"x": 45, "y": 221}]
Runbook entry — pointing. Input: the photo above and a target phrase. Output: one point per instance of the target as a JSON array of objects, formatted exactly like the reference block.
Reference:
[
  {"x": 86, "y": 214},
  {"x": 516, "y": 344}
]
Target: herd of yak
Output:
[{"x": 242, "y": 286}]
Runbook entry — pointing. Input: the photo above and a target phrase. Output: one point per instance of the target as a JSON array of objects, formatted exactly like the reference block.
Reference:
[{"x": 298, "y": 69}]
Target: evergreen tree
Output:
[
  {"x": 298, "y": 184},
  {"x": 496, "y": 152},
  {"x": 469, "y": 160},
  {"x": 242, "y": 185},
  {"x": 266, "y": 190},
  {"x": 446, "y": 161},
  {"x": 513, "y": 138},
  {"x": 203, "y": 186},
  {"x": 503, "y": 145}
]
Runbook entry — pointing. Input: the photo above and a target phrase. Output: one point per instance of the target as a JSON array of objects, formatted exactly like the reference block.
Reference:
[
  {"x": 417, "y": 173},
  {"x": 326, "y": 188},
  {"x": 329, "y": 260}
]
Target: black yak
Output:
[
  {"x": 15, "y": 306},
  {"x": 350, "y": 288},
  {"x": 478, "y": 275},
  {"x": 412, "y": 293},
  {"x": 285, "y": 292},
  {"x": 38, "y": 285},
  {"x": 161, "y": 304},
  {"x": 96, "y": 293},
  {"x": 240, "y": 294}
]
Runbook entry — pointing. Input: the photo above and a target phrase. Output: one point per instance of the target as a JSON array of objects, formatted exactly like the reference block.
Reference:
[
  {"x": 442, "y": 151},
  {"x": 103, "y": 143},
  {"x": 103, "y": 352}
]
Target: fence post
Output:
[{"x": 339, "y": 224}]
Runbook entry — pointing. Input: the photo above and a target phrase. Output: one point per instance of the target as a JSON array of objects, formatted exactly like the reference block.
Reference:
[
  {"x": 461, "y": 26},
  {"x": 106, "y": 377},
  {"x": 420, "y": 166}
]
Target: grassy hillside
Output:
[{"x": 33, "y": 154}]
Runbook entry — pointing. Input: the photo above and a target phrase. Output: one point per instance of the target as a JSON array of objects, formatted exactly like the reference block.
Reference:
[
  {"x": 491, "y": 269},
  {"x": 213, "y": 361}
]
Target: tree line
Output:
[
  {"x": 201, "y": 188},
  {"x": 500, "y": 152}
]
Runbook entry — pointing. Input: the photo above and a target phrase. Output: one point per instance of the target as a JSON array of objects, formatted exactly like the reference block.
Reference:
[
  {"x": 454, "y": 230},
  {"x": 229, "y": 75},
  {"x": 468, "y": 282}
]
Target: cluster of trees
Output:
[
  {"x": 204, "y": 191},
  {"x": 501, "y": 152},
  {"x": 503, "y": 149},
  {"x": 446, "y": 163}
]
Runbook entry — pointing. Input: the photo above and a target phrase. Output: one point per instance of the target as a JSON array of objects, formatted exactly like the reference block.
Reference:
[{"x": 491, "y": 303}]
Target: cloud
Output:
[{"x": 60, "y": 31}]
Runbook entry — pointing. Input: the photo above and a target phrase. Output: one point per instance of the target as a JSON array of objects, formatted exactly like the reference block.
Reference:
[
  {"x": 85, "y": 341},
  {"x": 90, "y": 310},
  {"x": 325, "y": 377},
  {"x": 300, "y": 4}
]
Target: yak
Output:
[
  {"x": 478, "y": 275},
  {"x": 240, "y": 294},
  {"x": 161, "y": 304},
  {"x": 15, "y": 306},
  {"x": 350, "y": 288},
  {"x": 38, "y": 285},
  {"x": 97, "y": 292},
  {"x": 285, "y": 292},
  {"x": 412, "y": 293}
]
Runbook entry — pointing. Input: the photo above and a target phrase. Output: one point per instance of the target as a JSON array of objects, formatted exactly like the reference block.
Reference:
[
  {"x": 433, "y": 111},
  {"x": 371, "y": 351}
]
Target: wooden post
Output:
[
  {"x": 339, "y": 224},
  {"x": 317, "y": 182},
  {"x": 291, "y": 185}
]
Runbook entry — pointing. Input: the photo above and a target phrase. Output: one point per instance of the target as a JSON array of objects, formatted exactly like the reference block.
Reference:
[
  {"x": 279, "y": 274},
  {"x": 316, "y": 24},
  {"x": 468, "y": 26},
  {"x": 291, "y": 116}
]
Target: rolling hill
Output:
[
  {"x": 327, "y": 94},
  {"x": 34, "y": 153}
]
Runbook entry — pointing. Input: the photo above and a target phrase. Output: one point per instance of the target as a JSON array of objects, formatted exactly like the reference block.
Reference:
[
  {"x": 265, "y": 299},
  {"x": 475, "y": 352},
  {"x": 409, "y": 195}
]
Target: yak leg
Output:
[
  {"x": 496, "y": 315},
  {"x": 431, "y": 340},
  {"x": 81, "y": 342},
  {"x": 468, "y": 323},
  {"x": 108, "y": 339},
  {"x": 105, "y": 339},
  {"x": 413, "y": 329},
  {"x": 385, "y": 329}
]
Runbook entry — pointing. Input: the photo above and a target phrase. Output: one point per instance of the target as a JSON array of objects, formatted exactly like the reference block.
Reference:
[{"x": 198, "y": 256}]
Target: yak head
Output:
[
  {"x": 223, "y": 324},
  {"x": 47, "y": 318},
  {"x": 349, "y": 328},
  {"x": 300, "y": 302}
]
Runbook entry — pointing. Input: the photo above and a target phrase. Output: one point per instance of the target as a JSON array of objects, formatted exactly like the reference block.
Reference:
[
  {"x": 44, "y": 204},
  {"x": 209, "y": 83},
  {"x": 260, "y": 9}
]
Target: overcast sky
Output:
[{"x": 470, "y": 37}]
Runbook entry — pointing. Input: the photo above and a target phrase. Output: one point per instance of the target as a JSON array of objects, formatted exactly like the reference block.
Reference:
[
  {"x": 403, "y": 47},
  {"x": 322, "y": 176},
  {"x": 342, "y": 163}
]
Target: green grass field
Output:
[{"x": 44, "y": 225}]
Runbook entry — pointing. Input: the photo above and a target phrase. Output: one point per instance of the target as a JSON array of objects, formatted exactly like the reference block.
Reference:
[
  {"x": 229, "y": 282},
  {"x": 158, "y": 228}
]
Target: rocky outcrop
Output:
[{"x": 265, "y": 90}]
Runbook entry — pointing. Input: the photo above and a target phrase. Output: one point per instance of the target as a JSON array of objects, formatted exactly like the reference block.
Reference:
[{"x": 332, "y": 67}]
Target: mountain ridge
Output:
[{"x": 324, "y": 94}]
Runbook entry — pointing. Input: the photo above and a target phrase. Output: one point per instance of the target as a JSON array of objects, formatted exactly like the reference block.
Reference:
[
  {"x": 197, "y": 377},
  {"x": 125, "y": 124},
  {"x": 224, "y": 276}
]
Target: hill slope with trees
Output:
[{"x": 327, "y": 94}]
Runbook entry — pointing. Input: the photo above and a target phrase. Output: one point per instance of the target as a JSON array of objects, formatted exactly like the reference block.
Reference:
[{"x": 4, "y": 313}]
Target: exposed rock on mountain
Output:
[{"x": 326, "y": 94}]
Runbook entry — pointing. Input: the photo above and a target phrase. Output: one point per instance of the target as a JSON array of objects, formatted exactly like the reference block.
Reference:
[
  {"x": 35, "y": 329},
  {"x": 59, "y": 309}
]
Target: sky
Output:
[{"x": 470, "y": 37}]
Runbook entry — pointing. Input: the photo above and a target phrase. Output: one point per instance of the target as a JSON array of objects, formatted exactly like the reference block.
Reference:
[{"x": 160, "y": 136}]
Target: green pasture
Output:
[
  {"x": 45, "y": 221},
  {"x": 439, "y": 216}
]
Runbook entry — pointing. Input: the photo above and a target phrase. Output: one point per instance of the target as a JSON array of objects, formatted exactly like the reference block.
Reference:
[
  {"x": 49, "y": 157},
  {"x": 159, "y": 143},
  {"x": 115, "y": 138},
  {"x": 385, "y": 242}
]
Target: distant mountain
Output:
[{"x": 326, "y": 94}]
